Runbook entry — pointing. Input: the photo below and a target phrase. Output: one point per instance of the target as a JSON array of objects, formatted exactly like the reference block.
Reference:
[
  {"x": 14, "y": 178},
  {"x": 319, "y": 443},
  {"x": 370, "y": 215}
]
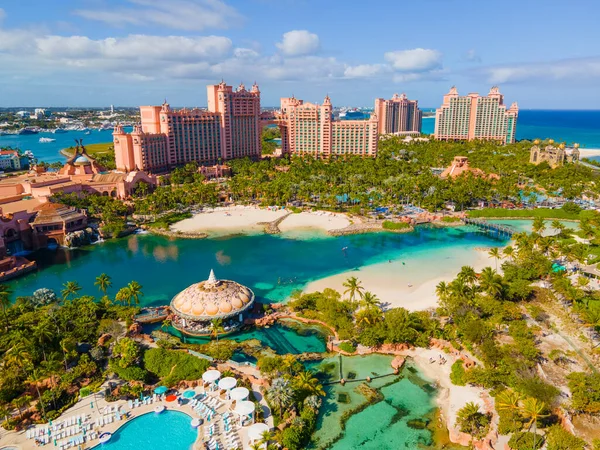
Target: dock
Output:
[{"x": 502, "y": 230}]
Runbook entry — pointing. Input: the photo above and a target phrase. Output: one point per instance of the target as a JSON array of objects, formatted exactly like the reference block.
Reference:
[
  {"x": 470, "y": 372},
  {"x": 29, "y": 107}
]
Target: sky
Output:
[{"x": 543, "y": 54}]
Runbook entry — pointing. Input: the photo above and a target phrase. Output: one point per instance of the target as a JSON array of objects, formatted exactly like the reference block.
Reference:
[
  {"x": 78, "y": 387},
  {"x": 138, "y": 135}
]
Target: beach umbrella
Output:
[
  {"x": 227, "y": 383},
  {"x": 171, "y": 398},
  {"x": 210, "y": 376},
  {"x": 244, "y": 408},
  {"x": 239, "y": 393},
  {"x": 189, "y": 394},
  {"x": 256, "y": 430},
  {"x": 160, "y": 390}
]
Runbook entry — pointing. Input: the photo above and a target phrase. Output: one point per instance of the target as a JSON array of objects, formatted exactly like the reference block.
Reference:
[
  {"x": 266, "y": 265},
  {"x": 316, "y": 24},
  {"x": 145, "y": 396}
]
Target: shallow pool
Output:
[{"x": 170, "y": 430}]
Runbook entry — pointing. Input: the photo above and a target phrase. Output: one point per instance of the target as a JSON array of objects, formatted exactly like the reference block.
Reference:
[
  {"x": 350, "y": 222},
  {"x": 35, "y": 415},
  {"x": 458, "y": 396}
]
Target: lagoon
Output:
[{"x": 273, "y": 266}]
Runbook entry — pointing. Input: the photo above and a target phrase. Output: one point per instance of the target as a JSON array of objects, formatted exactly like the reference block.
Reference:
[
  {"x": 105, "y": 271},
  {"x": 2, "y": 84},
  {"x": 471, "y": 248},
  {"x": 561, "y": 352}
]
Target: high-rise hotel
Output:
[
  {"x": 398, "y": 115},
  {"x": 167, "y": 138},
  {"x": 309, "y": 129},
  {"x": 476, "y": 117}
]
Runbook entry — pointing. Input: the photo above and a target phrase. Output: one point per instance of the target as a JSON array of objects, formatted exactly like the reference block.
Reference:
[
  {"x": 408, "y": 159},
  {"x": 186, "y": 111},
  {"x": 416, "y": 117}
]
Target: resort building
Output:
[
  {"x": 167, "y": 138},
  {"x": 309, "y": 129},
  {"x": 398, "y": 115},
  {"x": 554, "y": 156},
  {"x": 194, "y": 308},
  {"x": 53, "y": 222},
  {"x": 11, "y": 160},
  {"x": 476, "y": 117}
]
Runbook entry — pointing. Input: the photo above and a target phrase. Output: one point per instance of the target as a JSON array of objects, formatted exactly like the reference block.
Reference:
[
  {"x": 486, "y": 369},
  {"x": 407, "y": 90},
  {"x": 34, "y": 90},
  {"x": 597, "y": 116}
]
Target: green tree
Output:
[
  {"x": 70, "y": 288},
  {"x": 5, "y": 303},
  {"x": 136, "y": 291},
  {"x": 495, "y": 253},
  {"x": 103, "y": 282},
  {"x": 532, "y": 410},
  {"x": 353, "y": 288},
  {"x": 216, "y": 328},
  {"x": 472, "y": 421},
  {"x": 127, "y": 351}
]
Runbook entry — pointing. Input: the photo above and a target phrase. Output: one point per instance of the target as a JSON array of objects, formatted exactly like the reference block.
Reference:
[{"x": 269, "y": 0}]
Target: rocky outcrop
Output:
[
  {"x": 273, "y": 227},
  {"x": 81, "y": 237},
  {"x": 102, "y": 340}
]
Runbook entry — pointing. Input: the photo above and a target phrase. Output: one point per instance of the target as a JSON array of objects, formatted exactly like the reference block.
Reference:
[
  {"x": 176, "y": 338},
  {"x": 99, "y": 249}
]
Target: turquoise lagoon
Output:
[
  {"x": 170, "y": 429},
  {"x": 524, "y": 225},
  {"x": 273, "y": 266},
  {"x": 382, "y": 425}
]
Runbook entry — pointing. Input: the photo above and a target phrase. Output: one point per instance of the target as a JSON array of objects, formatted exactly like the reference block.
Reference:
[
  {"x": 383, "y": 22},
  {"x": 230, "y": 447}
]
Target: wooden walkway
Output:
[{"x": 502, "y": 230}]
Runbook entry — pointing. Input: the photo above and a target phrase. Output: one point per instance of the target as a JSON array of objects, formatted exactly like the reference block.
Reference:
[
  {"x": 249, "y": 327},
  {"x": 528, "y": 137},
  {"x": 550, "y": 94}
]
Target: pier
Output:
[{"x": 502, "y": 230}]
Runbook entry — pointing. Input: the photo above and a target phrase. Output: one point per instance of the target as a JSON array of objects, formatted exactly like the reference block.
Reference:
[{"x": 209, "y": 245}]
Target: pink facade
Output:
[
  {"x": 167, "y": 138},
  {"x": 476, "y": 117},
  {"x": 398, "y": 115},
  {"x": 309, "y": 129}
]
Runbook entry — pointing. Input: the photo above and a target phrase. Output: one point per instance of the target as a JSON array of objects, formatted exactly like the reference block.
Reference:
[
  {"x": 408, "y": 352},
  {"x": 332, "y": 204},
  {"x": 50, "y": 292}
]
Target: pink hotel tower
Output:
[
  {"x": 476, "y": 117},
  {"x": 309, "y": 129},
  {"x": 166, "y": 138},
  {"x": 398, "y": 115}
]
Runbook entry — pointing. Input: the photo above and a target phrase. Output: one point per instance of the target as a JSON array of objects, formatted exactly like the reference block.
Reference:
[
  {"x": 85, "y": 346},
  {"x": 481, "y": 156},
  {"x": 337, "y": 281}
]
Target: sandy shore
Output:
[
  {"x": 314, "y": 220},
  {"x": 589, "y": 152},
  {"x": 230, "y": 220},
  {"x": 409, "y": 284},
  {"x": 246, "y": 219}
]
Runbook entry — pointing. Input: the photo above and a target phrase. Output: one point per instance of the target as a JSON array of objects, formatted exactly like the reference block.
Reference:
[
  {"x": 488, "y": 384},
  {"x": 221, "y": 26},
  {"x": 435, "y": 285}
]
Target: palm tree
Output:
[
  {"x": 103, "y": 282},
  {"x": 21, "y": 402},
  {"x": 469, "y": 419},
  {"x": 216, "y": 327},
  {"x": 490, "y": 282},
  {"x": 34, "y": 378},
  {"x": 5, "y": 303},
  {"x": 70, "y": 288},
  {"x": 370, "y": 300},
  {"x": 353, "y": 287},
  {"x": 467, "y": 274},
  {"x": 495, "y": 253},
  {"x": 280, "y": 394},
  {"x": 306, "y": 381},
  {"x": 557, "y": 225},
  {"x": 265, "y": 437},
  {"x": 288, "y": 363},
  {"x": 124, "y": 296},
  {"x": 509, "y": 401},
  {"x": 532, "y": 410},
  {"x": 442, "y": 290},
  {"x": 538, "y": 225},
  {"x": 136, "y": 291},
  {"x": 509, "y": 252}
]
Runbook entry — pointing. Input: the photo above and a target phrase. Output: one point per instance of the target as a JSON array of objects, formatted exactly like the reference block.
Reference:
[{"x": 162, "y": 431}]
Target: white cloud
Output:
[
  {"x": 567, "y": 69},
  {"x": 2, "y": 14},
  {"x": 365, "y": 70},
  {"x": 245, "y": 53},
  {"x": 415, "y": 60},
  {"x": 472, "y": 56},
  {"x": 189, "y": 15},
  {"x": 299, "y": 42}
]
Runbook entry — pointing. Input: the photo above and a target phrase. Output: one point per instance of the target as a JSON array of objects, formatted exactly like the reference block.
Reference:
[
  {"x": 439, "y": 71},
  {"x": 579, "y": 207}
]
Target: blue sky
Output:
[{"x": 542, "y": 53}]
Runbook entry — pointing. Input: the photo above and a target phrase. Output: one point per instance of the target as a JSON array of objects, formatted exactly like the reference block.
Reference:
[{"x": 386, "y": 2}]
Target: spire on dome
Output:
[{"x": 212, "y": 279}]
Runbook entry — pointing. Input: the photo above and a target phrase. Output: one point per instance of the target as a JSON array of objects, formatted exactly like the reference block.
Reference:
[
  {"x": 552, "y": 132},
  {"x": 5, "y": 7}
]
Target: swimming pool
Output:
[{"x": 170, "y": 429}]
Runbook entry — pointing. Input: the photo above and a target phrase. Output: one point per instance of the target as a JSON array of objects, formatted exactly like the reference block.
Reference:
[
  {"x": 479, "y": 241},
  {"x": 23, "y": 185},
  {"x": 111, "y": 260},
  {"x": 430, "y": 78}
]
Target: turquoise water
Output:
[
  {"x": 526, "y": 225},
  {"x": 273, "y": 266},
  {"x": 383, "y": 425},
  {"x": 279, "y": 337},
  {"x": 168, "y": 430},
  {"x": 49, "y": 151}
]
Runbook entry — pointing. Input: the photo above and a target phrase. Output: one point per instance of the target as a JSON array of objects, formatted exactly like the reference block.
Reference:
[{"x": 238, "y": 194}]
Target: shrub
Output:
[
  {"x": 557, "y": 438},
  {"x": 450, "y": 219},
  {"x": 585, "y": 392},
  {"x": 525, "y": 441},
  {"x": 347, "y": 347},
  {"x": 173, "y": 366},
  {"x": 457, "y": 375},
  {"x": 132, "y": 373}
]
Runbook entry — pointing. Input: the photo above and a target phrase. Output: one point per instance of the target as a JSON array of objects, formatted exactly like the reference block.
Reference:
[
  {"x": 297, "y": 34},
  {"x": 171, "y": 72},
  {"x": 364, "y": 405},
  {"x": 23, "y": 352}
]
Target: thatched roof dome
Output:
[{"x": 212, "y": 299}]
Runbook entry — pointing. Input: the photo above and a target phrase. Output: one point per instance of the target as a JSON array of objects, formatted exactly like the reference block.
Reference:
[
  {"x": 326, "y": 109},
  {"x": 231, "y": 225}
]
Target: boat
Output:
[
  {"x": 28, "y": 130},
  {"x": 105, "y": 437},
  {"x": 88, "y": 132},
  {"x": 44, "y": 140}
]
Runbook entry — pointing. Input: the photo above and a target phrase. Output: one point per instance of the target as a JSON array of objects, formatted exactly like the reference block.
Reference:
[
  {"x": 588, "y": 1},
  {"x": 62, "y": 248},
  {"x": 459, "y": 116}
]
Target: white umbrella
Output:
[
  {"x": 210, "y": 376},
  {"x": 244, "y": 408},
  {"x": 256, "y": 430},
  {"x": 227, "y": 383},
  {"x": 239, "y": 393}
]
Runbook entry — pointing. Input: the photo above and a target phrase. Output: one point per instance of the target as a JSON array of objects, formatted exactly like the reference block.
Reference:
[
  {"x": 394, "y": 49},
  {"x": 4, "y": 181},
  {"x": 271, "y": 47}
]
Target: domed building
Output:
[{"x": 194, "y": 308}]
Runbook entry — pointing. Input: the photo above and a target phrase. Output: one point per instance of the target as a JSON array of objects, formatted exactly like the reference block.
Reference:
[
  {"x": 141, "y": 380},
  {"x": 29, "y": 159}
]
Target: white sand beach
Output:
[
  {"x": 589, "y": 152},
  {"x": 314, "y": 220},
  {"x": 229, "y": 220},
  {"x": 409, "y": 284},
  {"x": 245, "y": 219}
]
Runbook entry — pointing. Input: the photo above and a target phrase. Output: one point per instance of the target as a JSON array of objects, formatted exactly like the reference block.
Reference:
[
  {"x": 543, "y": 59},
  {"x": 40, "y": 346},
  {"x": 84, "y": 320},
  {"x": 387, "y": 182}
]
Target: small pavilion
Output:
[{"x": 194, "y": 308}]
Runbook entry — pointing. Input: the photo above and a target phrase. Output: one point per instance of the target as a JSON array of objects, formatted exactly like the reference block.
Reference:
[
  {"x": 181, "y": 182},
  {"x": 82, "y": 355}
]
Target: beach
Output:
[
  {"x": 589, "y": 152},
  {"x": 408, "y": 282},
  {"x": 248, "y": 220}
]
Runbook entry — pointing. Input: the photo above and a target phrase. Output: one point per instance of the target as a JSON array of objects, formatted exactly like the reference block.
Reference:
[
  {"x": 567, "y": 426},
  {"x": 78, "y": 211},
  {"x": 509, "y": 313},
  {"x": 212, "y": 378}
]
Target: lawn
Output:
[
  {"x": 94, "y": 149},
  {"x": 544, "y": 213}
]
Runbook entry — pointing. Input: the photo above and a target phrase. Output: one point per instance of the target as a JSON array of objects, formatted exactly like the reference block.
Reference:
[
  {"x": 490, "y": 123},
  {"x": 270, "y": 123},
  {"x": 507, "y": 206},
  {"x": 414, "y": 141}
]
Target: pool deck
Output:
[{"x": 90, "y": 407}]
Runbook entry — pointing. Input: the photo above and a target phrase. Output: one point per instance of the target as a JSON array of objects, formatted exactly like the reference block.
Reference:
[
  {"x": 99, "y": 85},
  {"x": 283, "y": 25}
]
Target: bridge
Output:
[
  {"x": 502, "y": 230},
  {"x": 588, "y": 165}
]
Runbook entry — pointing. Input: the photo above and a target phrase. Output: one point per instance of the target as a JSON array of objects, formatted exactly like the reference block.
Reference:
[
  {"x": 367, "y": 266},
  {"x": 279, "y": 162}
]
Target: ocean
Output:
[{"x": 582, "y": 127}]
